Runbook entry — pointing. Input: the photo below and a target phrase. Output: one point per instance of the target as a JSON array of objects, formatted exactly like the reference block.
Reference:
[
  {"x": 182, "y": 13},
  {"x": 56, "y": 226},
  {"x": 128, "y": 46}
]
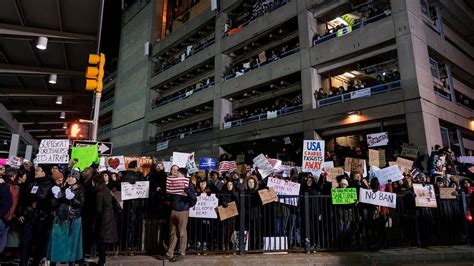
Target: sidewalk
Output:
[{"x": 458, "y": 255}]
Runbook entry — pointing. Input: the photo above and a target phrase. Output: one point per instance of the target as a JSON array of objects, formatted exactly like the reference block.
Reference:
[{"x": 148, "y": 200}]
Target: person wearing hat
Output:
[
  {"x": 36, "y": 216},
  {"x": 65, "y": 244},
  {"x": 180, "y": 205}
]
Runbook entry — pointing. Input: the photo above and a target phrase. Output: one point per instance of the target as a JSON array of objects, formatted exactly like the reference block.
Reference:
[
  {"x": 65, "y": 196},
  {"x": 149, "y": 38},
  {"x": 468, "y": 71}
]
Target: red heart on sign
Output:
[{"x": 114, "y": 163}]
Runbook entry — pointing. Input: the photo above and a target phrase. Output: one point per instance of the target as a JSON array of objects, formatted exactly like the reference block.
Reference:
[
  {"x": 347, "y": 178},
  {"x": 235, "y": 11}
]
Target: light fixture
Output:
[
  {"x": 53, "y": 78},
  {"x": 64, "y": 125},
  {"x": 63, "y": 115},
  {"x": 349, "y": 75},
  {"x": 42, "y": 43},
  {"x": 353, "y": 116},
  {"x": 59, "y": 100},
  {"x": 5, "y": 142}
]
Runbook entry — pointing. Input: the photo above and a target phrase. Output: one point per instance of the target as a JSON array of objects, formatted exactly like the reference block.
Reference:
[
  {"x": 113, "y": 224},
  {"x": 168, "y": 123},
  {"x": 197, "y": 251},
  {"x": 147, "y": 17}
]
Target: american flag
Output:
[
  {"x": 227, "y": 166},
  {"x": 176, "y": 185}
]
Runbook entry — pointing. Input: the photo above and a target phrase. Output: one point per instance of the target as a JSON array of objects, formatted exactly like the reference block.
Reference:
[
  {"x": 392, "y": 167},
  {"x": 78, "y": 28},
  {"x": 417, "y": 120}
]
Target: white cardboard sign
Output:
[
  {"x": 389, "y": 173},
  {"x": 205, "y": 207},
  {"x": 284, "y": 187},
  {"x": 378, "y": 198},
  {"x": 52, "y": 151},
  {"x": 139, "y": 190},
  {"x": 378, "y": 139}
]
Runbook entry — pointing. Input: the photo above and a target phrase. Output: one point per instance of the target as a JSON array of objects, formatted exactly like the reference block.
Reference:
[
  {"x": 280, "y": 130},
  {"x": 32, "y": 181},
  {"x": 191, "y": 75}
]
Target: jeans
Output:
[
  {"x": 280, "y": 225},
  {"x": 178, "y": 224},
  {"x": 3, "y": 235}
]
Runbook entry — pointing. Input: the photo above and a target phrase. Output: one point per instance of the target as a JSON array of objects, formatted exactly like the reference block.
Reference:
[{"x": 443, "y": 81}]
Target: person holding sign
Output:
[
  {"x": 180, "y": 206},
  {"x": 253, "y": 208}
]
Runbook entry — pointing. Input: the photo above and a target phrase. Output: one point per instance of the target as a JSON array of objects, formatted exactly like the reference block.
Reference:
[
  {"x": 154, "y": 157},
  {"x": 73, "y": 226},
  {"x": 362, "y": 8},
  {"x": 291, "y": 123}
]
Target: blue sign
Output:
[{"x": 206, "y": 163}]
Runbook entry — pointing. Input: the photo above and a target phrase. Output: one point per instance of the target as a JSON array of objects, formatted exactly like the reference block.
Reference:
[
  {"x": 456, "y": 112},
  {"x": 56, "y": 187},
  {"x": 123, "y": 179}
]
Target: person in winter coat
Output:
[
  {"x": 252, "y": 207},
  {"x": 105, "y": 227},
  {"x": 65, "y": 244},
  {"x": 6, "y": 203}
]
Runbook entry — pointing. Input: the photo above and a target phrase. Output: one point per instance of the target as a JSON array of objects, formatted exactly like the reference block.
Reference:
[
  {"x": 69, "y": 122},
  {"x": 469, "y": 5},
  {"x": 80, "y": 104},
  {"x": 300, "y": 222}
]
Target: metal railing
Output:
[
  {"x": 186, "y": 134},
  {"x": 361, "y": 93},
  {"x": 183, "y": 95},
  {"x": 258, "y": 65},
  {"x": 261, "y": 117},
  {"x": 354, "y": 27}
]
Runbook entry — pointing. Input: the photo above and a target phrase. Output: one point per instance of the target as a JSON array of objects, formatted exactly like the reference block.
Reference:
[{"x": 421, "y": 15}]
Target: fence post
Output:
[
  {"x": 242, "y": 224},
  {"x": 464, "y": 212},
  {"x": 307, "y": 239}
]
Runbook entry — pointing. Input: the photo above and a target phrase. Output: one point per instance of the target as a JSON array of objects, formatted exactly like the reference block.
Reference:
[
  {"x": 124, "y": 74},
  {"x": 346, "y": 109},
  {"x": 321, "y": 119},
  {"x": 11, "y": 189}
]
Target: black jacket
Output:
[
  {"x": 184, "y": 203},
  {"x": 5, "y": 199},
  {"x": 106, "y": 228},
  {"x": 38, "y": 199},
  {"x": 69, "y": 209}
]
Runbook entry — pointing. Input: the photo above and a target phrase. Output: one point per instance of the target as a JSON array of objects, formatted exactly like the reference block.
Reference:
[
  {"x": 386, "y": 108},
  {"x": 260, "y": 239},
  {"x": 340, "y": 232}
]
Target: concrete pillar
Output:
[
  {"x": 310, "y": 82},
  {"x": 28, "y": 152},
  {"x": 423, "y": 130},
  {"x": 312, "y": 135},
  {"x": 14, "y": 142}
]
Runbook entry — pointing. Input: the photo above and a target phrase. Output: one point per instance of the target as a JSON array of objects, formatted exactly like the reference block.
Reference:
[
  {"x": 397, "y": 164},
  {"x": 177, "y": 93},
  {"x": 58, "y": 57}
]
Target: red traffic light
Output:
[{"x": 78, "y": 131}]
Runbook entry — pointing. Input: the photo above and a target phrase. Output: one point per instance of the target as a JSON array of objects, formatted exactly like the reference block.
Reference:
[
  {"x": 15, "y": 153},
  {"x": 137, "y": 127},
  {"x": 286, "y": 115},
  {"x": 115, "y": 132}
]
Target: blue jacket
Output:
[
  {"x": 184, "y": 203},
  {"x": 5, "y": 199}
]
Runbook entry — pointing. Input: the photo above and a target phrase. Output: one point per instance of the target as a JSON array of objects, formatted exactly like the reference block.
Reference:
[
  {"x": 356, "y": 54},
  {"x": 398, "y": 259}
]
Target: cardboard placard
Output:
[
  {"x": 53, "y": 151},
  {"x": 404, "y": 165},
  {"x": 332, "y": 173},
  {"x": 409, "y": 150},
  {"x": 181, "y": 159},
  {"x": 205, "y": 207},
  {"x": 227, "y": 166},
  {"x": 139, "y": 190},
  {"x": 377, "y": 158},
  {"x": 388, "y": 173},
  {"x": 229, "y": 212},
  {"x": 447, "y": 193},
  {"x": 342, "y": 196},
  {"x": 115, "y": 164},
  {"x": 313, "y": 155},
  {"x": 262, "y": 58},
  {"x": 378, "y": 198},
  {"x": 425, "y": 196},
  {"x": 264, "y": 167},
  {"x": 267, "y": 195},
  {"x": 85, "y": 156},
  {"x": 353, "y": 164}
]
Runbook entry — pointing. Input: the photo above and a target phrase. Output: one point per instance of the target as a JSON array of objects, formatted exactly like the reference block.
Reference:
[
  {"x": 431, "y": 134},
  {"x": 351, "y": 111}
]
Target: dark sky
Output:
[{"x": 111, "y": 26}]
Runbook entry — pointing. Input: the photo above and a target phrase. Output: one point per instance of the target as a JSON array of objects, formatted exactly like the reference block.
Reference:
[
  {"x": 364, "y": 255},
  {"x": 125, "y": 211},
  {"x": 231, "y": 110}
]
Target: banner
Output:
[
  {"x": 162, "y": 145},
  {"x": 227, "y": 166},
  {"x": 378, "y": 198},
  {"x": 313, "y": 155},
  {"x": 378, "y": 139},
  {"x": 344, "y": 31},
  {"x": 229, "y": 212},
  {"x": 360, "y": 94},
  {"x": 205, "y": 207},
  {"x": 332, "y": 173},
  {"x": 115, "y": 164},
  {"x": 139, "y": 190},
  {"x": 267, "y": 195},
  {"x": 425, "y": 195},
  {"x": 85, "y": 156},
  {"x": 176, "y": 185},
  {"x": 447, "y": 193},
  {"x": 353, "y": 164},
  {"x": 264, "y": 167},
  {"x": 342, "y": 196},
  {"x": 181, "y": 159},
  {"x": 53, "y": 151},
  {"x": 404, "y": 165},
  {"x": 208, "y": 164},
  {"x": 377, "y": 158},
  {"x": 388, "y": 173},
  {"x": 284, "y": 187},
  {"x": 409, "y": 150}
]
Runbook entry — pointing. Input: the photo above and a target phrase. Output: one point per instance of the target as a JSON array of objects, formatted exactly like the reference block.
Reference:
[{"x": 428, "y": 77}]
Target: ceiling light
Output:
[
  {"x": 42, "y": 43},
  {"x": 353, "y": 116},
  {"x": 59, "y": 100},
  {"x": 53, "y": 78},
  {"x": 5, "y": 142},
  {"x": 63, "y": 115},
  {"x": 64, "y": 125},
  {"x": 349, "y": 75}
]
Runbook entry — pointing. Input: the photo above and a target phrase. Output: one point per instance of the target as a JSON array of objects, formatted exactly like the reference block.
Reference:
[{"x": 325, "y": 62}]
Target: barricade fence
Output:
[{"x": 301, "y": 223}]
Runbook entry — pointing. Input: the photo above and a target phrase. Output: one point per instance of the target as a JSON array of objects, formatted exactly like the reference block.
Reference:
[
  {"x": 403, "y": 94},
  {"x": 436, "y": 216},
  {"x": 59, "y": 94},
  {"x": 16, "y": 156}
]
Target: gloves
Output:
[
  {"x": 69, "y": 194},
  {"x": 56, "y": 190}
]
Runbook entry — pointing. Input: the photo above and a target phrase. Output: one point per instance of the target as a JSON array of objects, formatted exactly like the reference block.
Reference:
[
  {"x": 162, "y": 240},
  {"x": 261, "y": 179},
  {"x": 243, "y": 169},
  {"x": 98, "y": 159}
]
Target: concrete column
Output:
[
  {"x": 312, "y": 135},
  {"x": 14, "y": 142},
  {"x": 28, "y": 152},
  {"x": 310, "y": 82},
  {"x": 423, "y": 130}
]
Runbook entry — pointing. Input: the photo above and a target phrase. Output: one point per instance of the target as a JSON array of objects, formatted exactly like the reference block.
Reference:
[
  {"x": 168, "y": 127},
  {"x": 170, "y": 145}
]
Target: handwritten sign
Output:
[
  {"x": 353, "y": 164},
  {"x": 313, "y": 155},
  {"x": 139, "y": 190},
  {"x": 53, "y": 151},
  {"x": 425, "y": 196},
  {"x": 409, "y": 150},
  {"x": 332, "y": 173},
  {"x": 267, "y": 195},
  {"x": 264, "y": 166},
  {"x": 377, "y": 158},
  {"x": 404, "y": 165},
  {"x": 180, "y": 158},
  {"x": 229, "y": 212},
  {"x": 466, "y": 159},
  {"x": 447, "y": 193},
  {"x": 377, "y": 140},
  {"x": 342, "y": 196},
  {"x": 378, "y": 198},
  {"x": 143, "y": 163},
  {"x": 388, "y": 173},
  {"x": 285, "y": 187},
  {"x": 205, "y": 207}
]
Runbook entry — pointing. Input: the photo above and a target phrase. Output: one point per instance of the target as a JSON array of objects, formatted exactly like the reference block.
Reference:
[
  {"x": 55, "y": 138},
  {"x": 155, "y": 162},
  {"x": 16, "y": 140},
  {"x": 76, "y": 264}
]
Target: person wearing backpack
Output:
[{"x": 180, "y": 206}]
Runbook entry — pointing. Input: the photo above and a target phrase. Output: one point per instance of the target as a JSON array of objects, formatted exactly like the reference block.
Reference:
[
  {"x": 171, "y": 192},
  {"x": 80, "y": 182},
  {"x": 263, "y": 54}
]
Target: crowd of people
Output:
[
  {"x": 276, "y": 105},
  {"x": 201, "y": 85},
  {"x": 189, "y": 130}
]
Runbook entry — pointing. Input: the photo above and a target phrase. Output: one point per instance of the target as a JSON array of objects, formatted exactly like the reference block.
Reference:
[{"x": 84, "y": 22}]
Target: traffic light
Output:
[
  {"x": 95, "y": 73},
  {"x": 79, "y": 131}
]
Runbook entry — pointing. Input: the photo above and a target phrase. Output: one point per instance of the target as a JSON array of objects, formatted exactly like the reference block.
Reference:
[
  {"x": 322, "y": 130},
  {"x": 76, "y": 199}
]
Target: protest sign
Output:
[
  {"x": 353, "y": 164},
  {"x": 3, "y": 161},
  {"x": 15, "y": 162},
  {"x": 340, "y": 196},
  {"x": 392, "y": 163},
  {"x": 267, "y": 195},
  {"x": 143, "y": 163},
  {"x": 425, "y": 195},
  {"x": 227, "y": 166},
  {"x": 208, "y": 164},
  {"x": 102, "y": 166},
  {"x": 447, "y": 193},
  {"x": 205, "y": 207},
  {"x": 229, "y": 212},
  {"x": 388, "y": 173},
  {"x": 332, "y": 173},
  {"x": 404, "y": 165},
  {"x": 115, "y": 164},
  {"x": 377, "y": 140},
  {"x": 139, "y": 190},
  {"x": 240, "y": 159},
  {"x": 264, "y": 166},
  {"x": 359, "y": 93},
  {"x": 409, "y": 150},
  {"x": 377, "y": 158},
  {"x": 313, "y": 155},
  {"x": 167, "y": 165},
  {"x": 162, "y": 145},
  {"x": 53, "y": 151},
  {"x": 85, "y": 156},
  {"x": 180, "y": 158},
  {"x": 191, "y": 164},
  {"x": 176, "y": 185},
  {"x": 285, "y": 187},
  {"x": 378, "y": 198},
  {"x": 275, "y": 163}
]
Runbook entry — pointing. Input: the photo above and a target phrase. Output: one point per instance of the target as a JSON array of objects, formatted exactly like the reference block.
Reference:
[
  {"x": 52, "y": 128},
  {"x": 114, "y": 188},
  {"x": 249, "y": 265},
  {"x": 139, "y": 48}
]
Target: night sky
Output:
[{"x": 111, "y": 26}]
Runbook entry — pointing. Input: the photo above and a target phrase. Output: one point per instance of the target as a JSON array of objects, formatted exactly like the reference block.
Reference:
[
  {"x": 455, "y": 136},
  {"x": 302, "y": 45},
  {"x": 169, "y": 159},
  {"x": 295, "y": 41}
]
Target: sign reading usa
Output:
[{"x": 313, "y": 155}]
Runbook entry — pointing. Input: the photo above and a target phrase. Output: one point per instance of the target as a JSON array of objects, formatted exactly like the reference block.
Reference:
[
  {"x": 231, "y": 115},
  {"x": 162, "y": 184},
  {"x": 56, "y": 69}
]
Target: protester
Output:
[
  {"x": 12, "y": 181},
  {"x": 6, "y": 203}
]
